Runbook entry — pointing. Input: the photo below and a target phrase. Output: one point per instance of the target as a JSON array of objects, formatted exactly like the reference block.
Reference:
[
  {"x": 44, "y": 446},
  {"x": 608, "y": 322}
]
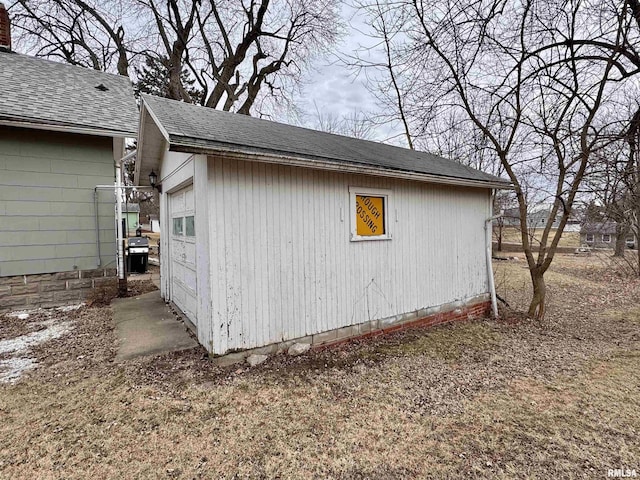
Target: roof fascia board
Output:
[
  {"x": 155, "y": 119},
  {"x": 67, "y": 128},
  {"x": 240, "y": 154},
  {"x": 138, "y": 164},
  {"x": 144, "y": 109}
]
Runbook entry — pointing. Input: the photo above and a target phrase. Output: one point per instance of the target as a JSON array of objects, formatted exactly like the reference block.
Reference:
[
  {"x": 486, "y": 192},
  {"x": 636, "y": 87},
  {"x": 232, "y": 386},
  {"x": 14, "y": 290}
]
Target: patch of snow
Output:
[
  {"x": 21, "y": 314},
  {"x": 13, "y": 368},
  {"x": 24, "y": 314},
  {"x": 25, "y": 342},
  {"x": 70, "y": 308}
]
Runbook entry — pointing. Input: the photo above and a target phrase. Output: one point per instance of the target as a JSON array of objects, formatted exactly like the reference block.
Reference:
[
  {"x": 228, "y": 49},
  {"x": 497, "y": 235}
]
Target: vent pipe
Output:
[{"x": 5, "y": 30}]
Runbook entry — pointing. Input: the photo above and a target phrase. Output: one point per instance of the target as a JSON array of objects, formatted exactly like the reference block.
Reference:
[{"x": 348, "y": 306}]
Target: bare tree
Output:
[
  {"x": 534, "y": 91},
  {"x": 631, "y": 179},
  {"x": 382, "y": 70},
  {"x": 239, "y": 53},
  {"x": 356, "y": 124},
  {"x": 88, "y": 34}
]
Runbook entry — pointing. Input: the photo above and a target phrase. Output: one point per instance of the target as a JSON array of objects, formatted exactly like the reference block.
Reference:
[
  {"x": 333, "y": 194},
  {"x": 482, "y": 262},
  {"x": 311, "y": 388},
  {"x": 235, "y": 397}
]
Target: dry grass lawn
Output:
[{"x": 486, "y": 399}]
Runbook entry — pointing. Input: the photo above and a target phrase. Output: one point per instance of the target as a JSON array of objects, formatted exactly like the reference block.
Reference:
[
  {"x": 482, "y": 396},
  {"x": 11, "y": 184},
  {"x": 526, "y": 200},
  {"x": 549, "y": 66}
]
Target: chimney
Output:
[{"x": 5, "y": 30}]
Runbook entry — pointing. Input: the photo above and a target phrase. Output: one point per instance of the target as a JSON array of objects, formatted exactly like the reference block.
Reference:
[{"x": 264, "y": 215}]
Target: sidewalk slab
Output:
[{"x": 146, "y": 326}]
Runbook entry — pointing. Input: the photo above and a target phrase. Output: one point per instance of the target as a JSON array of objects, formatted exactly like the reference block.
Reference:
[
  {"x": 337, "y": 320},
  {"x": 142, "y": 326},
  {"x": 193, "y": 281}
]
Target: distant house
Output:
[
  {"x": 61, "y": 129},
  {"x": 131, "y": 214},
  {"x": 538, "y": 217},
  {"x": 603, "y": 235},
  {"x": 274, "y": 234}
]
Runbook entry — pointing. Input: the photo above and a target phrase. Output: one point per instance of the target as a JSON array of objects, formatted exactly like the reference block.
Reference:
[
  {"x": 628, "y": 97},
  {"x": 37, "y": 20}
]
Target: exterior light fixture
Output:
[{"x": 153, "y": 178}]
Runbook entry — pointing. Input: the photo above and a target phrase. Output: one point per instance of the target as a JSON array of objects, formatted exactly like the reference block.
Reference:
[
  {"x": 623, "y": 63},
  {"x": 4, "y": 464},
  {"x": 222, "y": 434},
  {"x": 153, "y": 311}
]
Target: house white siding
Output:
[{"x": 282, "y": 265}]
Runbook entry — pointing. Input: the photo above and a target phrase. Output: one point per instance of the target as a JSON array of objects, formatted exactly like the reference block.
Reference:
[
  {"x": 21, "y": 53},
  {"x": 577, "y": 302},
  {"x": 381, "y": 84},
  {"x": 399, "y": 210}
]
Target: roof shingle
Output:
[
  {"x": 35, "y": 90},
  {"x": 206, "y": 129}
]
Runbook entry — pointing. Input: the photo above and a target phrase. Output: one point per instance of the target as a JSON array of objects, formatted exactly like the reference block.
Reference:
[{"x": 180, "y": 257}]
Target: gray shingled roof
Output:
[
  {"x": 192, "y": 127},
  {"x": 607, "y": 227},
  {"x": 35, "y": 90},
  {"x": 131, "y": 207}
]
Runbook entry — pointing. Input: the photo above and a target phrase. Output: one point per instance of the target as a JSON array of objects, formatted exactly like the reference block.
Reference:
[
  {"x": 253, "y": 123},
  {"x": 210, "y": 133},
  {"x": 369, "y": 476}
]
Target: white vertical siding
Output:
[
  {"x": 203, "y": 265},
  {"x": 283, "y": 265}
]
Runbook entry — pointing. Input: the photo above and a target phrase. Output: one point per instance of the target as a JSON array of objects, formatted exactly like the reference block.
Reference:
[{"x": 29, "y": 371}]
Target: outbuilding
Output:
[
  {"x": 131, "y": 216},
  {"x": 274, "y": 233}
]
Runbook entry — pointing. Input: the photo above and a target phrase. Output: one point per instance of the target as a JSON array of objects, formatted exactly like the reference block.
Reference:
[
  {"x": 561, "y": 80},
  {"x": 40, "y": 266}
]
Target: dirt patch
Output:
[{"x": 102, "y": 296}]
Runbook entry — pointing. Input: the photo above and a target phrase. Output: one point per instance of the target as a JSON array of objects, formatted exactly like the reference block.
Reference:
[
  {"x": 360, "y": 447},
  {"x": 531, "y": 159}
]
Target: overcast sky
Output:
[{"x": 335, "y": 89}]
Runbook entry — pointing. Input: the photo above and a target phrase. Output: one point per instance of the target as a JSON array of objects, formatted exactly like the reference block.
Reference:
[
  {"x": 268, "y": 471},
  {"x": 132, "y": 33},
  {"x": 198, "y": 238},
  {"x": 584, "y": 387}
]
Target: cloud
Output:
[{"x": 334, "y": 89}]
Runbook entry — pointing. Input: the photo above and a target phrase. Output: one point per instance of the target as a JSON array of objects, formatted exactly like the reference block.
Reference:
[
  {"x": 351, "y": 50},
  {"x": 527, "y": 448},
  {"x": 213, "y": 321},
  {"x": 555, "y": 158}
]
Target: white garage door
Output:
[{"x": 183, "y": 252}]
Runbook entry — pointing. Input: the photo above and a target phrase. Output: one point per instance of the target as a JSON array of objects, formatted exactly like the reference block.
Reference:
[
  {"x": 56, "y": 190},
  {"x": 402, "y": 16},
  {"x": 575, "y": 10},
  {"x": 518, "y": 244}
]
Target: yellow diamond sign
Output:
[{"x": 369, "y": 216}]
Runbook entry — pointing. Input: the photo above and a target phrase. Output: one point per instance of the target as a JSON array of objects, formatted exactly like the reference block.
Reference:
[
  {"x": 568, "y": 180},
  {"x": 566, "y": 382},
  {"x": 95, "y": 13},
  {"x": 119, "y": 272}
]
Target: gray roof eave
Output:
[
  {"x": 41, "y": 124},
  {"x": 190, "y": 145}
]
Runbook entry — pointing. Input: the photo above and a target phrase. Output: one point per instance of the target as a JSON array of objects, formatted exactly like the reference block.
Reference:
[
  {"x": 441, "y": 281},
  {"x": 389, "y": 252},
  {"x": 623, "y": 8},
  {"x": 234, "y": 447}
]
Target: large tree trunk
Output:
[
  {"x": 621, "y": 237},
  {"x": 637, "y": 246},
  {"x": 537, "y": 305}
]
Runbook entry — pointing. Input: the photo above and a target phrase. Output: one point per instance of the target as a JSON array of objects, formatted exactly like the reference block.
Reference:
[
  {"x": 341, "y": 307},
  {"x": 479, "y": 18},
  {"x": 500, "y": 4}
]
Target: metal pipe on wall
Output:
[
  {"x": 122, "y": 281},
  {"x": 488, "y": 233},
  {"x": 95, "y": 206}
]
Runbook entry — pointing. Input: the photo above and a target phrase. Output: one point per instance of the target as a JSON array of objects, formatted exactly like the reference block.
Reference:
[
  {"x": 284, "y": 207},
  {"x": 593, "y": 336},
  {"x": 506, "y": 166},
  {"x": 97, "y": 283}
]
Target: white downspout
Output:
[
  {"x": 488, "y": 239},
  {"x": 122, "y": 285}
]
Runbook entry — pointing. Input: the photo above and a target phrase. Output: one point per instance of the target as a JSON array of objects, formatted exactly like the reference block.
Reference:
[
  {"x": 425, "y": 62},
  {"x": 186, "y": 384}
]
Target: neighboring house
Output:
[
  {"x": 275, "y": 233},
  {"x": 538, "y": 217},
  {"x": 603, "y": 235},
  {"x": 61, "y": 129},
  {"x": 131, "y": 214}
]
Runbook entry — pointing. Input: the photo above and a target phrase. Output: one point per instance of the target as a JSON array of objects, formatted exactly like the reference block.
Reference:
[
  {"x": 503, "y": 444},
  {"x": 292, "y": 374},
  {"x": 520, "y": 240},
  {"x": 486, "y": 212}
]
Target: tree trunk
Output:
[
  {"x": 637, "y": 246},
  {"x": 500, "y": 234},
  {"x": 621, "y": 238},
  {"x": 537, "y": 305}
]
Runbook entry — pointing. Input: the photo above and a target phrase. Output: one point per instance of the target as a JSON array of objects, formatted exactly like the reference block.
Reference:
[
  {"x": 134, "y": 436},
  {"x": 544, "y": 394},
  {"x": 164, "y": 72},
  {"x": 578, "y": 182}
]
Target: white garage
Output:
[{"x": 275, "y": 234}]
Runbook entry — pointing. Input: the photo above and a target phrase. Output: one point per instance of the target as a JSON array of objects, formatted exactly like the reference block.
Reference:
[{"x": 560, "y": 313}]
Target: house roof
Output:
[
  {"x": 131, "y": 207},
  {"x": 606, "y": 227},
  {"x": 192, "y": 128},
  {"x": 40, "y": 93}
]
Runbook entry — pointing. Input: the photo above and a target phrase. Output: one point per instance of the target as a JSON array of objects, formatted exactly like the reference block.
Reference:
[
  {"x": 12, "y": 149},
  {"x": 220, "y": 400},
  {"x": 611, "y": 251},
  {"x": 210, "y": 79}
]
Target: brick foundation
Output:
[
  {"x": 50, "y": 289},
  {"x": 469, "y": 309},
  {"x": 478, "y": 310}
]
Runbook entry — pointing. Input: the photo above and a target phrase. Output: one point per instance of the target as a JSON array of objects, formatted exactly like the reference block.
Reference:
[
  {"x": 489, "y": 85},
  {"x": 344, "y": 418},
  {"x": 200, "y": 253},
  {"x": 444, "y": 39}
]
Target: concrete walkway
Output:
[{"x": 146, "y": 326}]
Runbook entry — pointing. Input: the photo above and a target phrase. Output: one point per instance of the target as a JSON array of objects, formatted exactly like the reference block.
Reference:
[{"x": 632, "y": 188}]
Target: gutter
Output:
[
  {"x": 122, "y": 280},
  {"x": 97, "y": 222},
  {"x": 61, "y": 127},
  {"x": 488, "y": 223}
]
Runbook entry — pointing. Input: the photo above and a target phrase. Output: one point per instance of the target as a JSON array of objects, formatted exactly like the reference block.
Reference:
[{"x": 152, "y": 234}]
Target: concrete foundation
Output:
[
  {"x": 51, "y": 289},
  {"x": 468, "y": 309}
]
